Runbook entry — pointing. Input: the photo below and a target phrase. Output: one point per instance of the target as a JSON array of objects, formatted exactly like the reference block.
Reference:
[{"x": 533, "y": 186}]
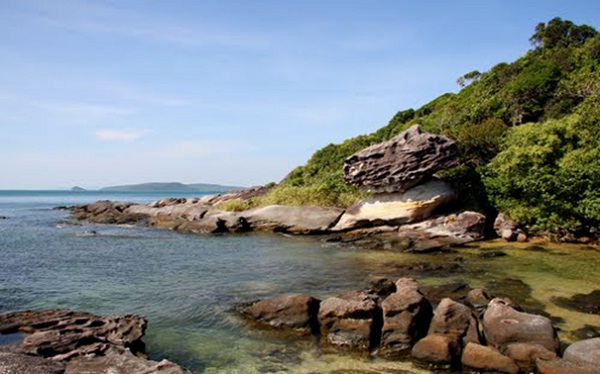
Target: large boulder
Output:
[
  {"x": 438, "y": 350},
  {"x": 292, "y": 219},
  {"x": 558, "y": 366},
  {"x": 584, "y": 352},
  {"x": 416, "y": 204},
  {"x": 401, "y": 162},
  {"x": 503, "y": 325},
  {"x": 297, "y": 311},
  {"x": 349, "y": 320},
  {"x": 455, "y": 319},
  {"x": 406, "y": 317}
]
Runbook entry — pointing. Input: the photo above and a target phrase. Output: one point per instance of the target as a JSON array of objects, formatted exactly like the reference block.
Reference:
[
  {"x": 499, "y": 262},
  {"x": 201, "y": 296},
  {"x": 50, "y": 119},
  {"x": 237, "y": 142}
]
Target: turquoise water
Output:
[{"x": 186, "y": 285}]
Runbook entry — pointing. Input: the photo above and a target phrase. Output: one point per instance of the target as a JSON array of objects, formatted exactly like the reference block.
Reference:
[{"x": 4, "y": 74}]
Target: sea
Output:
[{"x": 187, "y": 286}]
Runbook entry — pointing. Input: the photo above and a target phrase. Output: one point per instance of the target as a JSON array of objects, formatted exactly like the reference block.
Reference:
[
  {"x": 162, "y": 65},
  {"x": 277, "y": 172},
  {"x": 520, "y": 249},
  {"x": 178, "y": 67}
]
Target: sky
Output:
[{"x": 108, "y": 92}]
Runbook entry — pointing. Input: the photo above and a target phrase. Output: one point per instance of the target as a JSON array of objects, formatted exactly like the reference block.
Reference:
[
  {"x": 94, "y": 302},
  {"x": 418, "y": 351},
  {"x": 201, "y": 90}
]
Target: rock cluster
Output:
[
  {"x": 399, "y": 216},
  {"x": 62, "y": 341},
  {"x": 397, "y": 320}
]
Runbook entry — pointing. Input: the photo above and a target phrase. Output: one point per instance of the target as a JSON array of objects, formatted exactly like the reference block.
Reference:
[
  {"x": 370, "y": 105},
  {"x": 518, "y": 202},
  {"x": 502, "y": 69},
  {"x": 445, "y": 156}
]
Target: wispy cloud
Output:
[{"x": 120, "y": 135}]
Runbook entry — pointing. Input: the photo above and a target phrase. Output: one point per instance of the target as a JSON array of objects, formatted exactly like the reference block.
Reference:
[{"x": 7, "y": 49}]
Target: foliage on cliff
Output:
[{"x": 527, "y": 133}]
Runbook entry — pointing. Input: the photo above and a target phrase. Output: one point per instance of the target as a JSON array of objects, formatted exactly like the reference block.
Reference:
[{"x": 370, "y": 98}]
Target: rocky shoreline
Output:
[
  {"x": 396, "y": 320},
  {"x": 63, "y": 341}
]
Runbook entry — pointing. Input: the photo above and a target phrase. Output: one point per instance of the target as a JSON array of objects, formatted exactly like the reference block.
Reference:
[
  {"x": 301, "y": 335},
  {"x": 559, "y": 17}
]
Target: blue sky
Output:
[{"x": 98, "y": 93}]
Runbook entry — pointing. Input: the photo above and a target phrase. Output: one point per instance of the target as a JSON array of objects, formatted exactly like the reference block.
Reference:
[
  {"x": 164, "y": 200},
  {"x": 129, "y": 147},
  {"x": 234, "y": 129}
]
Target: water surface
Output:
[{"x": 186, "y": 284}]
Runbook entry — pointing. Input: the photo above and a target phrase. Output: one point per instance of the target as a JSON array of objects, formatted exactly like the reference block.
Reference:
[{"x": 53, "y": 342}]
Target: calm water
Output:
[{"x": 186, "y": 284}]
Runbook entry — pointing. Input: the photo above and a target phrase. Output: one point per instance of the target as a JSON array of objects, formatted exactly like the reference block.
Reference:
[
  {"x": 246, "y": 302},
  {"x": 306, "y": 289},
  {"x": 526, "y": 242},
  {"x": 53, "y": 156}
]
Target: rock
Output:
[
  {"x": 453, "y": 229},
  {"x": 439, "y": 350},
  {"x": 382, "y": 287},
  {"x": 406, "y": 317},
  {"x": 416, "y": 204},
  {"x": 584, "y": 352},
  {"x": 455, "y": 319},
  {"x": 455, "y": 291},
  {"x": 478, "y": 300},
  {"x": 505, "y": 227},
  {"x": 401, "y": 162},
  {"x": 585, "y": 303},
  {"x": 521, "y": 237},
  {"x": 19, "y": 363},
  {"x": 245, "y": 194},
  {"x": 107, "y": 344},
  {"x": 526, "y": 354},
  {"x": 504, "y": 325},
  {"x": 487, "y": 358},
  {"x": 492, "y": 254},
  {"x": 350, "y": 320},
  {"x": 296, "y": 311},
  {"x": 293, "y": 219},
  {"x": 586, "y": 332},
  {"x": 107, "y": 212},
  {"x": 558, "y": 366},
  {"x": 121, "y": 361}
]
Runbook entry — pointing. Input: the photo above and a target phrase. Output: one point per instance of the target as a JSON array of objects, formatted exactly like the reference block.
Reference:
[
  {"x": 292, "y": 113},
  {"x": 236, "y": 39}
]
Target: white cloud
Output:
[{"x": 120, "y": 135}]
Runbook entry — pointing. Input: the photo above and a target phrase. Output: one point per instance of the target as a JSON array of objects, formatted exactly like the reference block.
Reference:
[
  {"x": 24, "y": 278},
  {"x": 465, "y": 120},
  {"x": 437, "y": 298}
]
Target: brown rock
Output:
[
  {"x": 348, "y": 320},
  {"x": 452, "y": 318},
  {"x": 526, "y": 354},
  {"x": 296, "y": 311},
  {"x": 401, "y": 162},
  {"x": 107, "y": 212},
  {"x": 293, "y": 219},
  {"x": 558, "y": 366},
  {"x": 504, "y": 325},
  {"x": 406, "y": 317},
  {"x": 584, "y": 352},
  {"x": 487, "y": 358},
  {"x": 437, "y": 349}
]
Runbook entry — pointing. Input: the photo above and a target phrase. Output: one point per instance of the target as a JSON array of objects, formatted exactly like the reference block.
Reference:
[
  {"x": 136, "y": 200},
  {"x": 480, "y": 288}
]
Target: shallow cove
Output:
[{"x": 186, "y": 284}]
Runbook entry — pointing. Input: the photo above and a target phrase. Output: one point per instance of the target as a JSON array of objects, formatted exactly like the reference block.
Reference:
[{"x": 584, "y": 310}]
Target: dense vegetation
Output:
[{"x": 528, "y": 134}]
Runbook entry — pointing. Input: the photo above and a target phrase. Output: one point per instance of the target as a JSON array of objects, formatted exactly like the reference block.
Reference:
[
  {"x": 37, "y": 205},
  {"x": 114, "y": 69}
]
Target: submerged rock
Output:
[
  {"x": 401, "y": 162},
  {"x": 586, "y": 303}
]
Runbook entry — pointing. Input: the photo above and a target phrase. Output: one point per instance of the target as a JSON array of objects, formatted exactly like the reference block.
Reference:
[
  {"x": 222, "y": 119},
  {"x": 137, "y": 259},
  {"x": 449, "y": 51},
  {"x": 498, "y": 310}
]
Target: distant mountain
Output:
[
  {"x": 77, "y": 188},
  {"x": 173, "y": 187}
]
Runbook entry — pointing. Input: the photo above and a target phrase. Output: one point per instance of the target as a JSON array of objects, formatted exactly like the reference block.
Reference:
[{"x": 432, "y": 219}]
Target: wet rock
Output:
[
  {"x": 416, "y": 204},
  {"x": 584, "y": 352},
  {"x": 401, "y": 162},
  {"x": 505, "y": 227},
  {"x": 487, "y": 358},
  {"x": 382, "y": 287},
  {"x": 19, "y": 363},
  {"x": 102, "y": 344},
  {"x": 406, "y": 317},
  {"x": 438, "y": 350},
  {"x": 586, "y": 332},
  {"x": 492, "y": 254},
  {"x": 558, "y": 366},
  {"x": 348, "y": 320},
  {"x": 585, "y": 303},
  {"x": 116, "y": 360},
  {"x": 107, "y": 212},
  {"x": 455, "y": 319},
  {"x": 417, "y": 268},
  {"x": 455, "y": 291},
  {"x": 504, "y": 325},
  {"x": 478, "y": 300},
  {"x": 526, "y": 354},
  {"x": 518, "y": 292},
  {"x": 297, "y": 311}
]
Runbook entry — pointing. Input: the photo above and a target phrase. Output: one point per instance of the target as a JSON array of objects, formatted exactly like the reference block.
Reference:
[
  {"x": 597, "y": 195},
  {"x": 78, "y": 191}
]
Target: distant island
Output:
[
  {"x": 77, "y": 188},
  {"x": 172, "y": 186}
]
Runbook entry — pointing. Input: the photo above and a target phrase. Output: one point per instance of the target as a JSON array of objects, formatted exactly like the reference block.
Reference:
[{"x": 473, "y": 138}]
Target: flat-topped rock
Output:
[{"x": 401, "y": 162}]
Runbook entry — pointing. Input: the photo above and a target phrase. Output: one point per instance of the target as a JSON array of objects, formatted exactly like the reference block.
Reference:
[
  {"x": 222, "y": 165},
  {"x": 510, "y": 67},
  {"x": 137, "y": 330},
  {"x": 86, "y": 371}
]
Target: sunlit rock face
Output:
[{"x": 401, "y": 162}]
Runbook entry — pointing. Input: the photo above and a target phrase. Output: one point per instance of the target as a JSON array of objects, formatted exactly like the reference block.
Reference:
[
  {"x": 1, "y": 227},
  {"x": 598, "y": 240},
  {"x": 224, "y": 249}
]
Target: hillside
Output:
[
  {"x": 172, "y": 187},
  {"x": 528, "y": 135}
]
